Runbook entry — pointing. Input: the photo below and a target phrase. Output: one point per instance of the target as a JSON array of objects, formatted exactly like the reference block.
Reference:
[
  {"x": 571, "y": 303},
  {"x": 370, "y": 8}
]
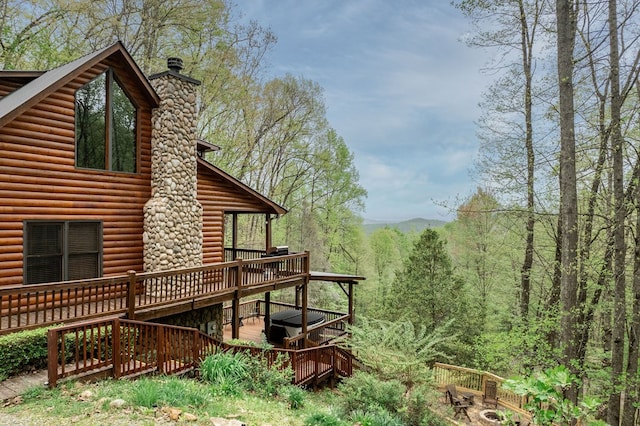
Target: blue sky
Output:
[{"x": 400, "y": 87}]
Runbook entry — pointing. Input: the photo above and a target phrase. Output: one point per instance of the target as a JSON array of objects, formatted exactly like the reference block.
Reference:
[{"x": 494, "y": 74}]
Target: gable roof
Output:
[
  {"x": 48, "y": 82},
  {"x": 270, "y": 205}
]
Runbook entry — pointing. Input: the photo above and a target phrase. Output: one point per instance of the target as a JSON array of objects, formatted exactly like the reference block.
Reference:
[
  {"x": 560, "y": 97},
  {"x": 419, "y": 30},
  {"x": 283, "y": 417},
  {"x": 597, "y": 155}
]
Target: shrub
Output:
[
  {"x": 323, "y": 419},
  {"x": 23, "y": 351},
  {"x": 295, "y": 396},
  {"x": 418, "y": 411},
  {"x": 269, "y": 380},
  {"x": 226, "y": 371},
  {"x": 363, "y": 391},
  {"x": 375, "y": 416}
]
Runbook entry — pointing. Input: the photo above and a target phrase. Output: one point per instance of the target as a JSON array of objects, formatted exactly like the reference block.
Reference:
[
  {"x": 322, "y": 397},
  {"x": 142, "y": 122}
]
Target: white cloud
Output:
[{"x": 400, "y": 87}]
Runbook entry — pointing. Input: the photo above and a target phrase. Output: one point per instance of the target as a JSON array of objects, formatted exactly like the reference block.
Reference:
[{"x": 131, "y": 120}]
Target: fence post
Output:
[
  {"x": 197, "y": 348},
  {"x": 131, "y": 295},
  {"x": 160, "y": 348},
  {"x": 52, "y": 344},
  {"x": 116, "y": 354}
]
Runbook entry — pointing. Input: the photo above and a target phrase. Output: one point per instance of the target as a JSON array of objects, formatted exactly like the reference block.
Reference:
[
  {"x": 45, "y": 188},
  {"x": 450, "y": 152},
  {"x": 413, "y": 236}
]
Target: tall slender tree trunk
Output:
[
  {"x": 632, "y": 389},
  {"x": 526, "y": 47},
  {"x": 619, "y": 305},
  {"x": 565, "y": 21}
]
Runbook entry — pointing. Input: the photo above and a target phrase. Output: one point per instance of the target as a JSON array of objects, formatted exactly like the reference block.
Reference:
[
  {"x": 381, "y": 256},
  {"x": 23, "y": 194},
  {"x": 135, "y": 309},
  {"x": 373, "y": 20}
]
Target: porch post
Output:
[
  {"x": 267, "y": 231},
  {"x": 351, "y": 318},
  {"x": 305, "y": 305},
  {"x": 234, "y": 234},
  {"x": 267, "y": 313},
  {"x": 235, "y": 303}
]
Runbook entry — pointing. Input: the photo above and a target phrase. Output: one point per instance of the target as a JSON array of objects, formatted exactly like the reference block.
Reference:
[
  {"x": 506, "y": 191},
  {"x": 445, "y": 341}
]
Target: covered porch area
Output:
[{"x": 290, "y": 325}]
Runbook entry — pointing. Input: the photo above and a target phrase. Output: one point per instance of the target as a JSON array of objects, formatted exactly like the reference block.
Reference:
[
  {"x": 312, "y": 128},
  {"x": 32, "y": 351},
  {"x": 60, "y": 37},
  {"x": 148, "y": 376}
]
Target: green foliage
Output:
[
  {"x": 295, "y": 396},
  {"x": 421, "y": 405},
  {"x": 269, "y": 380},
  {"x": 22, "y": 351},
  {"x": 167, "y": 391},
  {"x": 428, "y": 293},
  {"x": 397, "y": 350},
  {"x": 226, "y": 372},
  {"x": 324, "y": 419},
  {"x": 364, "y": 391},
  {"x": 546, "y": 399},
  {"x": 375, "y": 416}
]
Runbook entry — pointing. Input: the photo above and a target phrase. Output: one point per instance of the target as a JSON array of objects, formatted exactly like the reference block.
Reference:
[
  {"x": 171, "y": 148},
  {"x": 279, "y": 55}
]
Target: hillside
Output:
[{"x": 412, "y": 225}]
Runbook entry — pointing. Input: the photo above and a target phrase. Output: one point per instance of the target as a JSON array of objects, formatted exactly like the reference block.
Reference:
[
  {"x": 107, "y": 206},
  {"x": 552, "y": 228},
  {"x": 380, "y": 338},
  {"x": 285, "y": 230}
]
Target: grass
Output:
[{"x": 149, "y": 401}]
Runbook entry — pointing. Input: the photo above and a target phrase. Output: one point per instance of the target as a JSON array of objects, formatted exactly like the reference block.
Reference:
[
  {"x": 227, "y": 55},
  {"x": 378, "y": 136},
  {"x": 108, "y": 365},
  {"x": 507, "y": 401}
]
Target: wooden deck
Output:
[
  {"x": 147, "y": 295},
  {"x": 252, "y": 330}
]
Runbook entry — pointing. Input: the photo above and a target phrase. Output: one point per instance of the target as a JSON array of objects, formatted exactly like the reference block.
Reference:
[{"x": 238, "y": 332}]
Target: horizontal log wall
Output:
[
  {"x": 39, "y": 180},
  {"x": 218, "y": 197}
]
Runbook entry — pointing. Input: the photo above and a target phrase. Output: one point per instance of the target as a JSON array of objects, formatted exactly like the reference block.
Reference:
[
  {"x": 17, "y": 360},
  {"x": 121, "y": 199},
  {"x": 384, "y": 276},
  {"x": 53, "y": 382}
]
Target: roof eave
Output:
[
  {"x": 14, "y": 104},
  {"x": 277, "y": 209}
]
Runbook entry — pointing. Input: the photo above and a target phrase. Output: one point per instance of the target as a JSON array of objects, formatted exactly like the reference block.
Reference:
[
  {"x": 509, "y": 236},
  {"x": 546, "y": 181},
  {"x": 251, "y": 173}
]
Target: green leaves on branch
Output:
[{"x": 545, "y": 393}]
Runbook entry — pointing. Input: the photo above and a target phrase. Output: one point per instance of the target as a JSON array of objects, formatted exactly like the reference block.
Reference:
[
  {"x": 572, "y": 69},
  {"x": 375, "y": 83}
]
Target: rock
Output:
[{"x": 117, "y": 403}]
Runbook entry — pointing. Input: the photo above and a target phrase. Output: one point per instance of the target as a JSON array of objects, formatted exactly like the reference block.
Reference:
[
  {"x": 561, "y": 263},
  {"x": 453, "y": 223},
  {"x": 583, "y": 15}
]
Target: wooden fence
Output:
[{"x": 469, "y": 380}]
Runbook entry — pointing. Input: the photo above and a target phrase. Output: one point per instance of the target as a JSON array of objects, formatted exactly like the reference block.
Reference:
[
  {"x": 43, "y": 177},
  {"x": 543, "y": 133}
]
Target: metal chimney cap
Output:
[{"x": 175, "y": 64}]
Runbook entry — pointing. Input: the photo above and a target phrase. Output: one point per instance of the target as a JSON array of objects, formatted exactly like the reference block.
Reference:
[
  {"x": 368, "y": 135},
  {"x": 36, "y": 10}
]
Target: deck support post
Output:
[
  {"x": 235, "y": 303},
  {"x": 305, "y": 301},
  {"x": 267, "y": 314}
]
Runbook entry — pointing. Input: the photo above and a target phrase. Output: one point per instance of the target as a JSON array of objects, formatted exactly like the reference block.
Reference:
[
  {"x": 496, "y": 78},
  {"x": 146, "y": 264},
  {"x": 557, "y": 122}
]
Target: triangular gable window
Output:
[{"x": 105, "y": 126}]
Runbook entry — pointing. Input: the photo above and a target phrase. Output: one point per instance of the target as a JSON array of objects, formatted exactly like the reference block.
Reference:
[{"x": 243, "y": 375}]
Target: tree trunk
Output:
[
  {"x": 619, "y": 308},
  {"x": 530, "y": 226},
  {"x": 565, "y": 21}
]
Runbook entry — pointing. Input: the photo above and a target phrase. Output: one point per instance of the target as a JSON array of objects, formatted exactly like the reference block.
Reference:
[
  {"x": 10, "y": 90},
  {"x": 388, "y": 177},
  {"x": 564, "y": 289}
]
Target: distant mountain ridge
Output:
[{"x": 406, "y": 226}]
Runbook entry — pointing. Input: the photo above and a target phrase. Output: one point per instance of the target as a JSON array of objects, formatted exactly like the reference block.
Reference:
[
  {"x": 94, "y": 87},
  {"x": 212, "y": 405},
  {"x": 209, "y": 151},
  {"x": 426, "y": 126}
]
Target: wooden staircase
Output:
[{"x": 117, "y": 348}]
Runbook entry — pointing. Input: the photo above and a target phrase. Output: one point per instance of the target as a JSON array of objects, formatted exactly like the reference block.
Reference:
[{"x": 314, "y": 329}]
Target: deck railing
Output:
[
  {"x": 118, "y": 348},
  {"x": 474, "y": 381},
  {"x": 334, "y": 325},
  {"x": 30, "y": 306}
]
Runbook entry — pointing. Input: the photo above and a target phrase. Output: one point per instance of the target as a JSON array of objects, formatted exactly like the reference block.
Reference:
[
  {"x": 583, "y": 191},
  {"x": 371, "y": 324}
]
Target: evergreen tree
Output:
[{"x": 428, "y": 293}]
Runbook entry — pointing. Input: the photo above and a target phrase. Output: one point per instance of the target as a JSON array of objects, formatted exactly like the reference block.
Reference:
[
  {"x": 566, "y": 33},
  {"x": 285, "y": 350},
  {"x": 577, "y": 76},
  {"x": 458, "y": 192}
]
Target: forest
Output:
[{"x": 541, "y": 265}]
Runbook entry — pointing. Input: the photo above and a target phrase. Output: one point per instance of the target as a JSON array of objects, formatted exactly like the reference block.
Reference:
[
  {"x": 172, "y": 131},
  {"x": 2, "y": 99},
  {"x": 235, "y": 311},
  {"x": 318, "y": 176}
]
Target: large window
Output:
[
  {"x": 61, "y": 251},
  {"x": 105, "y": 126}
]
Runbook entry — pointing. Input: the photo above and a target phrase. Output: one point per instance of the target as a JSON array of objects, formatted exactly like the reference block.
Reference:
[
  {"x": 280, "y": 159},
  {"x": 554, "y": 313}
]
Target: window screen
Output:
[{"x": 60, "y": 251}]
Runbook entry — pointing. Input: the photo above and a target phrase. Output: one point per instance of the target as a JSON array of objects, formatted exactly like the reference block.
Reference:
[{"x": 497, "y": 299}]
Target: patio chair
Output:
[
  {"x": 459, "y": 405},
  {"x": 490, "y": 396}
]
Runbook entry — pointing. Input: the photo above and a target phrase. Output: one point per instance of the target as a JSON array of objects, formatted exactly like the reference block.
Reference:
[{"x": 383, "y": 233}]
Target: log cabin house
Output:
[{"x": 108, "y": 208}]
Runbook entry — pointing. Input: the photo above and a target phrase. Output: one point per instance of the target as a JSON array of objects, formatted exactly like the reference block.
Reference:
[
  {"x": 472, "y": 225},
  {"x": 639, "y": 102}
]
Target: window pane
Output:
[
  {"x": 90, "y": 124},
  {"x": 43, "y": 261},
  {"x": 44, "y": 239},
  {"x": 83, "y": 237},
  {"x": 44, "y": 269},
  {"x": 82, "y": 266},
  {"x": 83, "y": 244},
  {"x": 123, "y": 148}
]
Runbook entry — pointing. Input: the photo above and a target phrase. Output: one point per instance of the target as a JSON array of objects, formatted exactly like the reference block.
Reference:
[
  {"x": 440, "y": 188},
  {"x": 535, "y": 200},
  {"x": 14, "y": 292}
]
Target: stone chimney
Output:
[{"x": 173, "y": 216}]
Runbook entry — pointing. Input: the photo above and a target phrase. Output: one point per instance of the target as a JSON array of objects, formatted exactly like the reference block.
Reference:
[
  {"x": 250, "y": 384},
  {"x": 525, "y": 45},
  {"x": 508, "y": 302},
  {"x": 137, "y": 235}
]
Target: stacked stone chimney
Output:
[{"x": 173, "y": 216}]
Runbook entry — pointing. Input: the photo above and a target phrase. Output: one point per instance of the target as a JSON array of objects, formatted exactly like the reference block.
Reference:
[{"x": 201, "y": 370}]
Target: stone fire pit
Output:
[{"x": 491, "y": 417}]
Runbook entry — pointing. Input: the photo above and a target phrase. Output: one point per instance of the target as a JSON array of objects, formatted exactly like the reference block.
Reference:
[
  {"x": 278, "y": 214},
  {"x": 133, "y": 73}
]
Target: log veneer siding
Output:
[
  {"x": 217, "y": 197},
  {"x": 39, "y": 180}
]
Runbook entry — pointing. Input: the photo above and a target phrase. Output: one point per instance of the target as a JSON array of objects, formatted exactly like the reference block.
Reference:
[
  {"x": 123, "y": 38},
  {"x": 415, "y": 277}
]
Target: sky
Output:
[{"x": 400, "y": 87}]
